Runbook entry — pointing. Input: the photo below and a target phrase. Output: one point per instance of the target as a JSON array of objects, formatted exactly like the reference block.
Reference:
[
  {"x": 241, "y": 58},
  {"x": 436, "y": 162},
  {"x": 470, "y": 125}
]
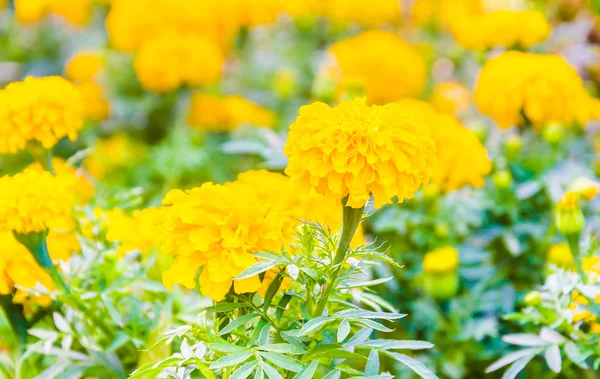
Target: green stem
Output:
[
  {"x": 573, "y": 241},
  {"x": 351, "y": 220},
  {"x": 18, "y": 322}
]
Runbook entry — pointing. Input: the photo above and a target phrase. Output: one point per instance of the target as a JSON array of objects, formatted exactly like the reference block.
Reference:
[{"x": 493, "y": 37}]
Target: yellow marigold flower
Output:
[
  {"x": 441, "y": 260},
  {"x": 371, "y": 13},
  {"x": 76, "y": 12},
  {"x": 35, "y": 201},
  {"x": 95, "y": 104},
  {"x": 461, "y": 158},
  {"x": 560, "y": 255},
  {"x": 135, "y": 232},
  {"x": 568, "y": 215},
  {"x": 218, "y": 228},
  {"x": 578, "y": 311},
  {"x": 113, "y": 154},
  {"x": 72, "y": 177},
  {"x": 358, "y": 63},
  {"x": 451, "y": 97},
  {"x": 592, "y": 265},
  {"x": 62, "y": 245},
  {"x": 356, "y": 150},
  {"x": 84, "y": 66},
  {"x": 172, "y": 60},
  {"x": 225, "y": 113},
  {"x": 543, "y": 88},
  {"x": 18, "y": 268},
  {"x": 39, "y": 109}
]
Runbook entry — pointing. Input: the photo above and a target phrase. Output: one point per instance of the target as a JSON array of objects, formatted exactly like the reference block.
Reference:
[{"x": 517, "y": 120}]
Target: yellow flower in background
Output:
[
  {"x": 75, "y": 12},
  {"x": 113, "y": 154},
  {"x": 95, "y": 102},
  {"x": 62, "y": 245},
  {"x": 543, "y": 88},
  {"x": 441, "y": 260},
  {"x": 381, "y": 63},
  {"x": 461, "y": 158},
  {"x": 585, "y": 187},
  {"x": 39, "y": 109},
  {"x": 72, "y": 177},
  {"x": 84, "y": 66},
  {"x": 136, "y": 232},
  {"x": 225, "y": 113},
  {"x": 18, "y": 268},
  {"x": 218, "y": 228},
  {"x": 451, "y": 97},
  {"x": 356, "y": 150},
  {"x": 560, "y": 255},
  {"x": 35, "y": 201},
  {"x": 173, "y": 60},
  {"x": 370, "y": 13}
]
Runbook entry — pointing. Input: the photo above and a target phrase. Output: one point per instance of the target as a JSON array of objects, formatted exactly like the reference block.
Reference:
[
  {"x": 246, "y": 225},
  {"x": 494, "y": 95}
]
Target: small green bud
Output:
[
  {"x": 512, "y": 146},
  {"x": 441, "y": 230},
  {"x": 324, "y": 88},
  {"x": 553, "y": 133},
  {"x": 502, "y": 179},
  {"x": 533, "y": 298},
  {"x": 568, "y": 215},
  {"x": 285, "y": 83},
  {"x": 441, "y": 286}
]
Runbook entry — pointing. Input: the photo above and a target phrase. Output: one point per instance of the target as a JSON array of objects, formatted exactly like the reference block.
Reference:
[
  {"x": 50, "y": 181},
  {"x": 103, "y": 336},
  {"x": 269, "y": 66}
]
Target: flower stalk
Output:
[{"x": 350, "y": 221}]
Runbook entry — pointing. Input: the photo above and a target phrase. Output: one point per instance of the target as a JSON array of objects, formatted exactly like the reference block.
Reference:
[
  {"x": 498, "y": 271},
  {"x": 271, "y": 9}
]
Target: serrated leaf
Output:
[
  {"x": 359, "y": 313},
  {"x": 238, "y": 322},
  {"x": 244, "y": 371},
  {"x": 397, "y": 344},
  {"x": 283, "y": 361},
  {"x": 272, "y": 290},
  {"x": 256, "y": 269},
  {"x": 314, "y": 325},
  {"x": 553, "y": 359},
  {"x": 374, "y": 325},
  {"x": 230, "y": 360},
  {"x": 335, "y": 374},
  {"x": 343, "y": 330},
  {"x": 308, "y": 371},
  {"x": 372, "y": 366},
  {"x": 368, "y": 283},
  {"x": 284, "y": 348},
  {"x": 344, "y": 354},
  {"x": 516, "y": 368},
  {"x": 416, "y": 366},
  {"x": 510, "y": 358},
  {"x": 270, "y": 371}
]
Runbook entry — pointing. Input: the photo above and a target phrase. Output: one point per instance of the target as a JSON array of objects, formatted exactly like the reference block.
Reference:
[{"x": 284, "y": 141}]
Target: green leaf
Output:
[
  {"x": 368, "y": 283},
  {"x": 516, "y": 368},
  {"x": 152, "y": 369},
  {"x": 272, "y": 257},
  {"x": 225, "y": 347},
  {"x": 372, "y": 366},
  {"x": 230, "y": 360},
  {"x": 418, "y": 367},
  {"x": 285, "y": 348},
  {"x": 283, "y": 361},
  {"x": 270, "y": 371},
  {"x": 225, "y": 307},
  {"x": 283, "y": 302},
  {"x": 397, "y": 344},
  {"x": 359, "y": 313},
  {"x": 335, "y": 374},
  {"x": 244, "y": 371},
  {"x": 308, "y": 371},
  {"x": 314, "y": 325},
  {"x": 343, "y": 354},
  {"x": 238, "y": 322},
  {"x": 374, "y": 325},
  {"x": 256, "y": 269},
  {"x": 343, "y": 330},
  {"x": 272, "y": 291}
]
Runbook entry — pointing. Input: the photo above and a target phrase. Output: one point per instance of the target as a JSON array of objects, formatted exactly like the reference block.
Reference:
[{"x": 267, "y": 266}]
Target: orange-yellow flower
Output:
[{"x": 84, "y": 66}]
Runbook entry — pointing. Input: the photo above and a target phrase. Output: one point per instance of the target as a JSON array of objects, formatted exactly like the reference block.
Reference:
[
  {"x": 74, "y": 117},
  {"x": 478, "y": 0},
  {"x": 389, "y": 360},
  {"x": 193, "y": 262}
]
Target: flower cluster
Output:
[
  {"x": 517, "y": 88},
  {"x": 84, "y": 69},
  {"x": 76, "y": 12},
  {"x": 224, "y": 113},
  {"x": 354, "y": 150},
  {"x": 72, "y": 177},
  {"x": 357, "y": 62},
  {"x": 39, "y": 109},
  {"x": 113, "y": 154},
  {"x": 136, "y": 232},
  {"x": 461, "y": 158},
  {"x": 35, "y": 201}
]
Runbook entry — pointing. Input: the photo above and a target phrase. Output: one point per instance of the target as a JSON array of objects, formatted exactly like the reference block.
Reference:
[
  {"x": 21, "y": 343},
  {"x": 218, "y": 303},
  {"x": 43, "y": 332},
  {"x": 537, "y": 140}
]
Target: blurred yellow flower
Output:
[
  {"x": 62, "y": 245},
  {"x": 18, "y": 268},
  {"x": 72, "y": 177},
  {"x": 560, "y": 255},
  {"x": 381, "y": 64},
  {"x": 461, "y": 158},
  {"x": 585, "y": 187},
  {"x": 95, "y": 103},
  {"x": 357, "y": 150},
  {"x": 174, "y": 59},
  {"x": 541, "y": 88},
  {"x": 84, "y": 66},
  {"x": 136, "y": 232},
  {"x": 75, "y": 12},
  {"x": 370, "y": 13},
  {"x": 35, "y": 201},
  {"x": 451, "y": 97},
  {"x": 218, "y": 227},
  {"x": 39, "y": 109},
  {"x": 224, "y": 113},
  {"x": 113, "y": 154},
  {"x": 441, "y": 260}
]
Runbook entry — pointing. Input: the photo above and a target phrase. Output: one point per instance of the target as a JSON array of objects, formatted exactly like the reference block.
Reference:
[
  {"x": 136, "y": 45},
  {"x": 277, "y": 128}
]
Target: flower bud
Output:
[
  {"x": 533, "y": 298},
  {"x": 440, "y": 279},
  {"x": 553, "y": 133},
  {"x": 568, "y": 216},
  {"x": 512, "y": 146},
  {"x": 441, "y": 229},
  {"x": 285, "y": 83},
  {"x": 480, "y": 130},
  {"x": 324, "y": 87},
  {"x": 502, "y": 179}
]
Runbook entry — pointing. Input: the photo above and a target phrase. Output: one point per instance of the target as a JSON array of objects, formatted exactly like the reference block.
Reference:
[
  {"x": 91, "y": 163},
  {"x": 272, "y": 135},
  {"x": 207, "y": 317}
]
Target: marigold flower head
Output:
[
  {"x": 39, "y": 109},
  {"x": 356, "y": 150},
  {"x": 113, "y": 154},
  {"x": 451, "y": 97},
  {"x": 95, "y": 104},
  {"x": 35, "y": 201},
  {"x": 174, "y": 59},
  {"x": 364, "y": 12},
  {"x": 140, "y": 231},
  {"x": 72, "y": 177},
  {"x": 62, "y": 245},
  {"x": 461, "y": 158},
  {"x": 358, "y": 61},
  {"x": 225, "y": 113},
  {"x": 18, "y": 268},
  {"x": 75, "y": 12},
  {"x": 84, "y": 66},
  {"x": 542, "y": 88},
  {"x": 441, "y": 260},
  {"x": 218, "y": 228},
  {"x": 560, "y": 255}
]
